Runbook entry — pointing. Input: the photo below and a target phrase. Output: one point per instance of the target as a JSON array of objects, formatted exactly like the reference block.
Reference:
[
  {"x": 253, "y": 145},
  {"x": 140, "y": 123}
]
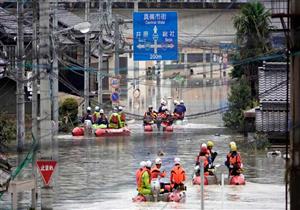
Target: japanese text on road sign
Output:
[
  {"x": 46, "y": 168},
  {"x": 155, "y": 36}
]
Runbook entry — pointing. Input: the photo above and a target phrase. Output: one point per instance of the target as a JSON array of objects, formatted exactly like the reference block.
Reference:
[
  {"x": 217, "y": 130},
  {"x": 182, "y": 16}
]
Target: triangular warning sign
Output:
[{"x": 46, "y": 168}]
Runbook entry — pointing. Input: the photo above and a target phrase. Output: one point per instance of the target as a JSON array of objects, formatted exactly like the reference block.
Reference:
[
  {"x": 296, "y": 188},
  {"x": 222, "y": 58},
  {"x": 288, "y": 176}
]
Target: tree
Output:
[
  {"x": 253, "y": 26},
  {"x": 239, "y": 101}
]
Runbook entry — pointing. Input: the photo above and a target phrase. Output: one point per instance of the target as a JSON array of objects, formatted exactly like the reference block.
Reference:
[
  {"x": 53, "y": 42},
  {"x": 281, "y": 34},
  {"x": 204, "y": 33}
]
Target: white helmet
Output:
[
  {"x": 142, "y": 164},
  {"x": 97, "y": 108},
  {"x": 177, "y": 160},
  {"x": 181, "y": 102},
  {"x": 115, "y": 109},
  {"x": 120, "y": 108},
  {"x": 176, "y": 102},
  {"x": 150, "y": 106},
  {"x": 101, "y": 111},
  {"x": 158, "y": 161},
  {"x": 164, "y": 108},
  {"x": 148, "y": 164},
  {"x": 203, "y": 145},
  {"x": 89, "y": 109},
  {"x": 163, "y": 102}
]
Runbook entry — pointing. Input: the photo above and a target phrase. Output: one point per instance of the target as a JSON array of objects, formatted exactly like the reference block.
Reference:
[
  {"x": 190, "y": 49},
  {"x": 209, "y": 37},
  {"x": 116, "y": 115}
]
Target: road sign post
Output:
[
  {"x": 46, "y": 169},
  {"x": 155, "y": 36}
]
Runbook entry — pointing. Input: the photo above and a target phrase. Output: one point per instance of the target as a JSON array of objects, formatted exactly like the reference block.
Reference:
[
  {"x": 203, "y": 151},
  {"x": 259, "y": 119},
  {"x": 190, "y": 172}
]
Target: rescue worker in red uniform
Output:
[
  {"x": 234, "y": 161},
  {"x": 205, "y": 155},
  {"x": 178, "y": 176}
]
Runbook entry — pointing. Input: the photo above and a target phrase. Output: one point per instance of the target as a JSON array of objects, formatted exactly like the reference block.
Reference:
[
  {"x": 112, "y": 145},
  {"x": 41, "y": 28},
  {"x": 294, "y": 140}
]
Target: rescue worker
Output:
[
  {"x": 96, "y": 114},
  {"x": 203, "y": 154},
  {"x": 87, "y": 115},
  {"x": 102, "y": 119},
  {"x": 234, "y": 161},
  {"x": 162, "y": 104},
  {"x": 178, "y": 176},
  {"x": 122, "y": 117},
  {"x": 115, "y": 119},
  {"x": 149, "y": 116},
  {"x": 155, "y": 170},
  {"x": 165, "y": 116},
  {"x": 178, "y": 114},
  {"x": 139, "y": 171},
  {"x": 144, "y": 187},
  {"x": 213, "y": 155}
]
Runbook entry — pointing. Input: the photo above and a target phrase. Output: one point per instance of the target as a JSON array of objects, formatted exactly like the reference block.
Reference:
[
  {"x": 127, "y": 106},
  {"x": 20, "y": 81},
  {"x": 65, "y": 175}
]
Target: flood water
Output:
[{"x": 99, "y": 173}]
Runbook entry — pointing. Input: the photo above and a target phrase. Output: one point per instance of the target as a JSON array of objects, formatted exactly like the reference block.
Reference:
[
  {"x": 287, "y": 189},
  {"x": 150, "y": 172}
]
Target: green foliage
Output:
[
  {"x": 253, "y": 25},
  {"x": 239, "y": 100},
  {"x": 7, "y": 129},
  {"x": 68, "y": 112}
]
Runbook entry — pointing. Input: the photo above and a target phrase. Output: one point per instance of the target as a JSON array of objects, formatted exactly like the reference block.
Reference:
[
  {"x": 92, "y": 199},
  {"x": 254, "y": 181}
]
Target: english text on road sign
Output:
[
  {"x": 155, "y": 36},
  {"x": 46, "y": 169}
]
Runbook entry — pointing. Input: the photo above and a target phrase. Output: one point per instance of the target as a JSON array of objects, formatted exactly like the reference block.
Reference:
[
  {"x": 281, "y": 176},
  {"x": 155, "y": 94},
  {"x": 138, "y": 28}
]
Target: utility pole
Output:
[
  {"x": 87, "y": 59},
  {"x": 295, "y": 106},
  {"x": 45, "y": 100},
  {"x": 211, "y": 63},
  {"x": 100, "y": 52},
  {"x": 136, "y": 63},
  {"x": 34, "y": 99},
  {"x": 117, "y": 41},
  {"x": 55, "y": 71},
  {"x": 20, "y": 78}
]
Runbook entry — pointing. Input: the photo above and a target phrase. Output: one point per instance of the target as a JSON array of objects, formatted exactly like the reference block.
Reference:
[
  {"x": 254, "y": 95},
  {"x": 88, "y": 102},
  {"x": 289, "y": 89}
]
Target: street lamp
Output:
[{"x": 83, "y": 27}]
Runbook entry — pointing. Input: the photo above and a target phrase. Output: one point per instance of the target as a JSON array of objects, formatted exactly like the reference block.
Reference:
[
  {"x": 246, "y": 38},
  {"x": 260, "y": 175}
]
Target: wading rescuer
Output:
[
  {"x": 234, "y": 161},
  {"x": 149, "y": 116},
  {"x": 163, "y": 103},
  {"x": 144, "y": 187},
  {"x": 177, "y": 177},
  {"x": 115, "y": 119}
]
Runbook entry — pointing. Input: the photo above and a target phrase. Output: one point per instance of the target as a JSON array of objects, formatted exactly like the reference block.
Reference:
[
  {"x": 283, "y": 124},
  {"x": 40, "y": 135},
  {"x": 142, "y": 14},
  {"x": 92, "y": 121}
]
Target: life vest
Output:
[
  {"x": 234, "y": 160},
  {"x": 123, "y": 117},
  {"x": 177, "y": 175},
  {"x": 155, "y": 172},
  {"x": 205, "y": 157},
  {"x": 114, "y": 119},
  {"x": 137, "y": 175},
  {"x": 96, "y": 116},
  {"x": 140, "y": 179}
]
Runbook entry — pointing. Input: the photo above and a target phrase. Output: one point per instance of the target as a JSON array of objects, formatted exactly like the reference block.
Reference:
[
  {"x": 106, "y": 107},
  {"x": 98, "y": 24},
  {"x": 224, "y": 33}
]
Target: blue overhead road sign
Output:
[{"x": 155, "y": 36}]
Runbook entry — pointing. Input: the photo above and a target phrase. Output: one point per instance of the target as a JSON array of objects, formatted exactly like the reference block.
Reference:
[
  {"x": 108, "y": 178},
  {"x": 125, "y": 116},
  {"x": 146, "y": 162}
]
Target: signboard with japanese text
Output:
[
  {"x": 46, "y": 169},
  {"x": 155, "y": 36}
]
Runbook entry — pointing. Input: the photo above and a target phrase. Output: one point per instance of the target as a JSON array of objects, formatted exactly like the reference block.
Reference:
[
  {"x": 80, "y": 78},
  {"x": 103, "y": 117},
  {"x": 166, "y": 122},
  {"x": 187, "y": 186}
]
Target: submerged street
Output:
[{"x": 99, "y": 172}]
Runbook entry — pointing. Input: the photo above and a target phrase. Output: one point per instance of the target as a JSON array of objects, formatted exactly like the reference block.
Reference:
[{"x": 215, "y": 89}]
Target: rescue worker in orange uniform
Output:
[
  {"x": 156, "y": 170},
  {"x": 144, "y": 187},
  {"x": 178, "y": 176},
  {"x": 234, "y": 161}
]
